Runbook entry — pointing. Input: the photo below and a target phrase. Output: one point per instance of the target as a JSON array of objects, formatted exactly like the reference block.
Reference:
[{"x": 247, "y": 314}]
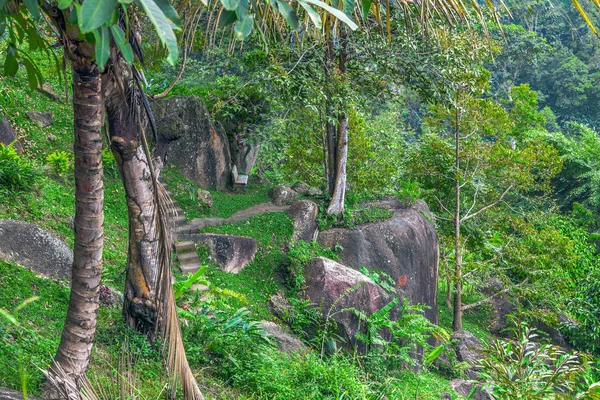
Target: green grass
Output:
[
  {"x": 258, "y": 281},
  {"x": 224, "y": 204}
]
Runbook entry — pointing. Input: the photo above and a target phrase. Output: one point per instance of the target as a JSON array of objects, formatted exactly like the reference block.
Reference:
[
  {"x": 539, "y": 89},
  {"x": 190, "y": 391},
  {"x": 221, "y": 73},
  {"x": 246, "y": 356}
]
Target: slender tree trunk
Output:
[
  {"x": 337, "y": 201},
  {"x": 80, "y": 326},
  {"x": 331, "y": 154},
  {"x": 457, "y": 321},
  {"x": 338, "y": 194},
  {"x": 125, "y": 128}
]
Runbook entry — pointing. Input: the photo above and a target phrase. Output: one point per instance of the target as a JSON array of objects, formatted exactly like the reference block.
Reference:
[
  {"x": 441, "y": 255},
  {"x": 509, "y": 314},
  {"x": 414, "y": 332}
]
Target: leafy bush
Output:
[
  {"x": 586, "y": 333},
  {"x": 58, "y": 162},
  {"x": 354, "y": 215},
  {"x": 16, "y": 173},
  {"x": 525, "y": 369}
]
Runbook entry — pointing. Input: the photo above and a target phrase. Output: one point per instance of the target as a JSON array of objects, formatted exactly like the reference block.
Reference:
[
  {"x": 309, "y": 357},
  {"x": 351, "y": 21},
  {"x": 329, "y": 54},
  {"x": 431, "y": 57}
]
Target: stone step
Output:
[
  {"x": 188, "y": 257},
  {"x": 190, "y": 268},
  {"x": 186, "y": 229},
  {"x": 179, "y": 220},
  {"x": 185, "y": 247},
  {"x": 176, "y": 211}
]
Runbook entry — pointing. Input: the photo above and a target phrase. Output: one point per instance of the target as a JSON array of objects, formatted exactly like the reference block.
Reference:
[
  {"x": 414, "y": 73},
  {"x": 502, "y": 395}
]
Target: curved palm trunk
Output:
[
  {"x": 123, "y": 115},
  {"x": 80, "y": 325}
]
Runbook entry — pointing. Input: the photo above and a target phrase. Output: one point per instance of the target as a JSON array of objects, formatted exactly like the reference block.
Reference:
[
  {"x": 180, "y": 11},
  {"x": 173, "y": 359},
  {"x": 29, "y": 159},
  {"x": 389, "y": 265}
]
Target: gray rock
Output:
[
  {"x": 464, "y": 388},
  {"x": 188, "y": 140},
  {"x": 552, "y": 334},
  {"x": 279, "y": 305},
  {"x": 468, "y": 349},
  {"x": 8, "y": 135},
  {"x": 8, "y": 394},
  {"x": 41, "y": 119},
  {"x": 35, "y": 248},
  {"x": 404, "y": 246},
  {"x": 232, "y": 253},
  {"x": 304, "y": 213},
  {"x": 502, "y": 307},
  {"x": 51, "y": 138},
  {"x": 282, "y": 195},
  {"x": 314, "y": 191},
  {"x": 286, "y": 341},
  {"x": 244, "y": 155},
  {"x": 205, "y": 198},
  {"x": 301, "y": 187},
  {"x": 328, "y": 282}
]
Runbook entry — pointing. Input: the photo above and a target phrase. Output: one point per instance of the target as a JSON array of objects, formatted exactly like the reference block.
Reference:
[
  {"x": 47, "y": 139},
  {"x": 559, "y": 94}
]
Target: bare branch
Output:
[
  {"x": 488, "y": 299},
  {"x": 467, "y": 217}
]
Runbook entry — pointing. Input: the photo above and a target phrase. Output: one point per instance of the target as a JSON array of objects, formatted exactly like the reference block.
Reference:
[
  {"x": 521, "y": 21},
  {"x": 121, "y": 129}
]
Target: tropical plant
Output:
[
  {"x": 58, "y": 162},
  {"x": 16, "y": 172},
  {"x": 523, "y": 368}
]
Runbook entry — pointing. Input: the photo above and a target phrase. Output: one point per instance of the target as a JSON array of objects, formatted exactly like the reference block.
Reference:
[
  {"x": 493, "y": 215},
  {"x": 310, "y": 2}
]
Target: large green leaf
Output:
[
  {"x": 244, "y": 27},
  {"x": 33, "y": 7},
  {"x": 122, "y": 44},
  {"x": 288, "y": 13},
  {"x": 227, "y": 18},
  {"x": 94, "y": 13},
  {"x": 31, "y": 74},
  {"x": 313, "y": 14},
  {"x": 102, "y": 46},
  {"x": 64, "y": 4},
  {"x": 162, "y": 25},
  {"x": 348, "y": 7},
  {"x": 230, "y": 5},
  {"x": 11, "y": 65},
  {"x": 169, "y": 12},
  {"x": 339, "y": 14},
  {"x": 366, "y": 6}
]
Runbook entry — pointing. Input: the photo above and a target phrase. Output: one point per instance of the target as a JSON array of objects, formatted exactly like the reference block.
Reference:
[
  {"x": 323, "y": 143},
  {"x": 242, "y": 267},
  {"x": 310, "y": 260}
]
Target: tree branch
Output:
[{"x": 467, "y": 217}]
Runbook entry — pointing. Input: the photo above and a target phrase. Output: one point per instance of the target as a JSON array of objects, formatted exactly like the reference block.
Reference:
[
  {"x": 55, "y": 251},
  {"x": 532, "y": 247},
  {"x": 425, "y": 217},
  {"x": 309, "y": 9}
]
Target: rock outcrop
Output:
[
  {"x": 468, "y": 349},
  {"x": 41, "y": 119},
  {"x": 8, "y": 135},
  {"x": 232, "y": 253},
  {"x": 188, "y": 140},
  {"x": 8, "y": 394},
  {"x": 244, "y": 155},
  {"x": 404, "y": 246},
  {"x": 35, "y": 248},
  {"x": 282, "y": 195},
  {"x": 286, "y": 342},
  {"x": 304, "y": 213},
  {"x": 328, "y": 285}
]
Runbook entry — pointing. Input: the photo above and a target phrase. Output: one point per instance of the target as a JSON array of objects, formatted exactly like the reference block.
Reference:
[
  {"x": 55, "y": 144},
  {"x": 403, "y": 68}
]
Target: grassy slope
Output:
[{"x": 51, "y": 206}]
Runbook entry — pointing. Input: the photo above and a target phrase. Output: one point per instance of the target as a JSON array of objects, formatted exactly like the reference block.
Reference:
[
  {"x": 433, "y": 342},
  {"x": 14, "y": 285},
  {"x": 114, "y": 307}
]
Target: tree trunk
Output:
[
  {"x": 457, "y": 320},
  {"x": 338, "y": 194},
  {"x": 336, "y": 206},
  {"x": 80, "y": 326},
  {"x": 331, "y": 154},
  {"x": 125, "y": 128}
]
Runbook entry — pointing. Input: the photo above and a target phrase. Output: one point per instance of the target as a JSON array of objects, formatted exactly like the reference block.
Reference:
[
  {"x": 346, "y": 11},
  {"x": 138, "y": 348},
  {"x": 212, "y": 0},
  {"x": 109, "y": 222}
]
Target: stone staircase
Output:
[{"x": 184, "y": 250}]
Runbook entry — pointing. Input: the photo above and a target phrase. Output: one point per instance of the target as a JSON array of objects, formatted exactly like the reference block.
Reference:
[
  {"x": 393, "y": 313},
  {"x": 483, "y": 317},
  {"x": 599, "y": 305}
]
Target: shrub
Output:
[
  {"x": 525, "y": 369},
  {"x": 58, "y": 162},
  {"x": 16, "y": 173},
  {"x": 299, "y": 254}
]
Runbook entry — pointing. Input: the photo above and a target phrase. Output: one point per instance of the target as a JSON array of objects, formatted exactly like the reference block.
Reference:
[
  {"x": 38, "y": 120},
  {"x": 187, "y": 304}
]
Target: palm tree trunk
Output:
[
  {"x": 124, "y": 122},
  {"x": 80, "y": 326}
]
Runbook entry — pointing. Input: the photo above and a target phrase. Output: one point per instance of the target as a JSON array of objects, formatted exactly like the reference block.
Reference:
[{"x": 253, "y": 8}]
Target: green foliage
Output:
[
  {"x": 525, "y": 369},
  {"x": 58, "y": 162},
  {"x": 299, "y": 254},
  {"x": 353, "y": 216},
  {"x": 585, "y": 333},
  {"x": 16, "y": 172}
]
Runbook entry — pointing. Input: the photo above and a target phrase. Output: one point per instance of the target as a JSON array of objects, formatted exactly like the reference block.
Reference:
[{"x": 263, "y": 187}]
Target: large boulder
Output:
[
  {"x": 327, "y": 286},
  {"x": 188, "y": 140},
  {"x": 286, "y": 342},
  {"x": 465, "y": 388},
  {"x": 304, "y": 213},
  {"x": 8, "y": 394},
  {"x": 8, "y": 135},
  {"x": 232, "y": 253},
  {"x": 282, "y": 195},
  {"x": 404, "y": 246},
  {"x": 35, "y": 248},
  {"x": 501, "y": 325},
  {"x": 469, "y": 350}
]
